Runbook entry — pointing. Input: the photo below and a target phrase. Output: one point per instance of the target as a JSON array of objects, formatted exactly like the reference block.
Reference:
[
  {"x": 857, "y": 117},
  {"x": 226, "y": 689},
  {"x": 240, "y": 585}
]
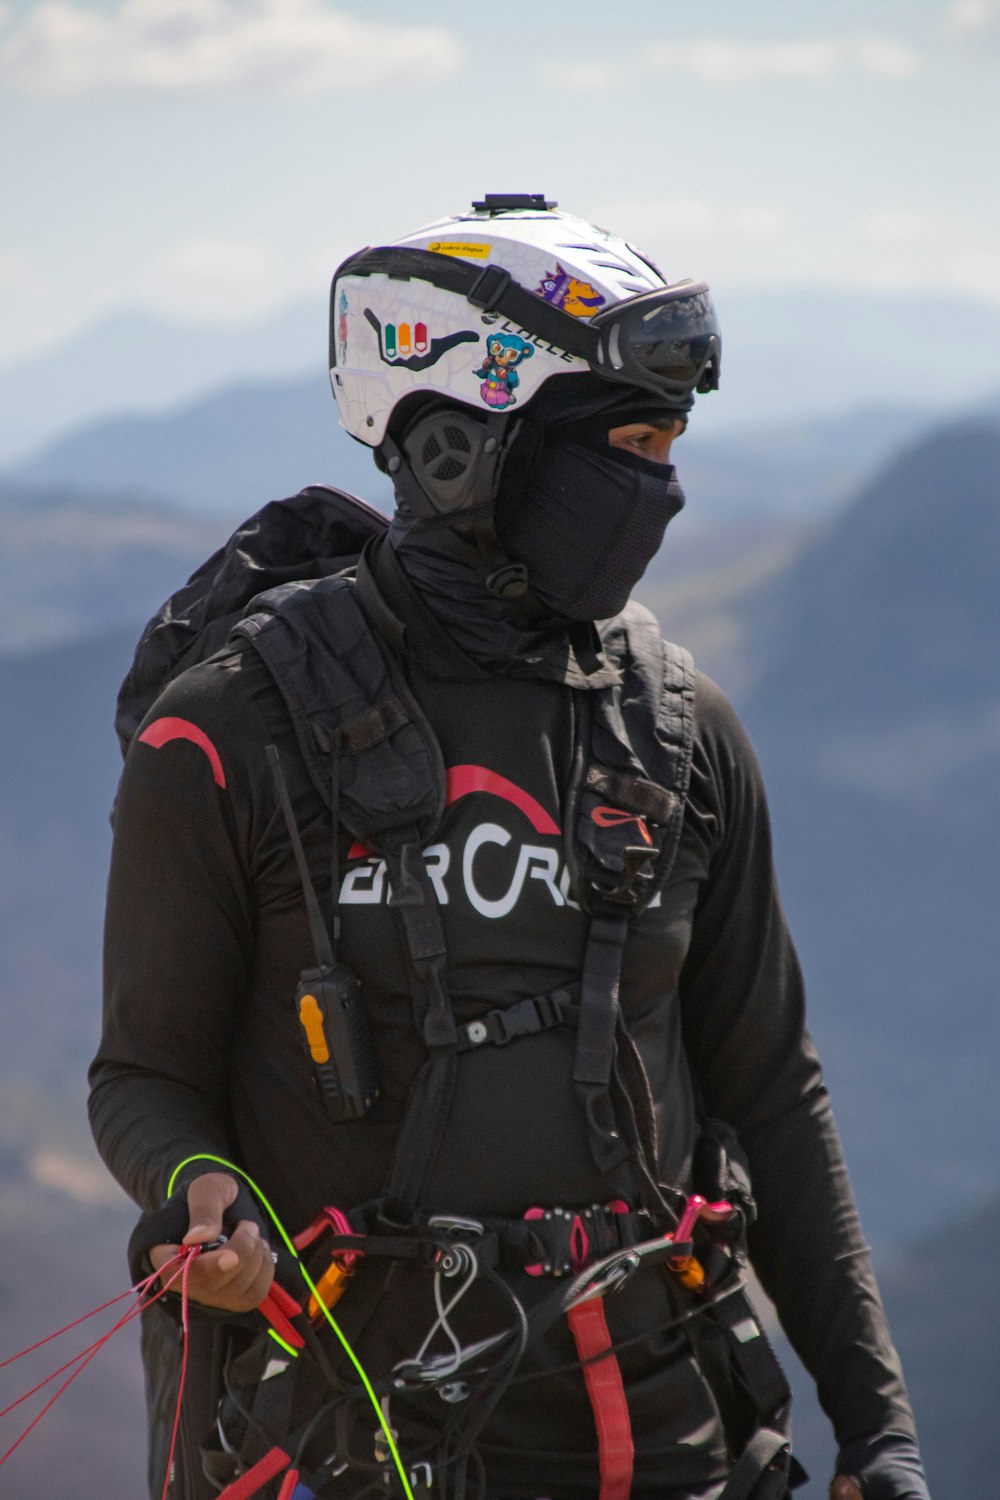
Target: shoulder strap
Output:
[
  {"x": 340, "y": 687},
  {"x": 634, "y": 770},
  {"x": 346, "y": 693},
  {"x": 627, "y": 811}
]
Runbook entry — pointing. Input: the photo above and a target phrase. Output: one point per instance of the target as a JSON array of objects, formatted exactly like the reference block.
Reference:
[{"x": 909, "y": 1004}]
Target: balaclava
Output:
[{"x": 584, "y": 518}]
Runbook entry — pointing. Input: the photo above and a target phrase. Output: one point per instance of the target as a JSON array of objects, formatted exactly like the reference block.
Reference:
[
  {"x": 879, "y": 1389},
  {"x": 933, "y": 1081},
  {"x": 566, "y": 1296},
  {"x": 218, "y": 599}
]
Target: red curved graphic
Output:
[
  {"x": 463, "y": 780},
  {"x": 162, "y": 731}
]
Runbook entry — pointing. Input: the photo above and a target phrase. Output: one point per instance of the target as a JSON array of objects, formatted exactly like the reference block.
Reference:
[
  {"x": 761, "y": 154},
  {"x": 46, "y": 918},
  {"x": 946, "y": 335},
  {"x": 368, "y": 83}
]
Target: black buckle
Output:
[
  {"x": 490, "y": 284},
  {"x": 633, "y": 860}
]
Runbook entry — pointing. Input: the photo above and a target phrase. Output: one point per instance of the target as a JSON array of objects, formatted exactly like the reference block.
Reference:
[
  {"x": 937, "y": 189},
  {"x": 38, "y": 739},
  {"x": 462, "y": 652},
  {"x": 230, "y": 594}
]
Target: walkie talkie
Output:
[{"x": 328, "y": 1001}]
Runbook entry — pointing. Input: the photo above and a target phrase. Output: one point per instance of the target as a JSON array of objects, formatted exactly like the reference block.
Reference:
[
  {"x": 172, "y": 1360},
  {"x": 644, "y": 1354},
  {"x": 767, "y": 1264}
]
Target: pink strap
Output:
[{"x": 603, "y": 1378}]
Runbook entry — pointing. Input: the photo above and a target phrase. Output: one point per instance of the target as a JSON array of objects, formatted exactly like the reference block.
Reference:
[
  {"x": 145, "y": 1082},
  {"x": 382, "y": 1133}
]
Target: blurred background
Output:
[{"x": 179, "y": 180}]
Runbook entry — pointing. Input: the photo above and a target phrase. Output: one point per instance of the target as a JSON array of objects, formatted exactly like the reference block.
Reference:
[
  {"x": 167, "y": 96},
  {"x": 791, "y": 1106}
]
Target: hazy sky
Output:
[{"x": 211, "y": 158}]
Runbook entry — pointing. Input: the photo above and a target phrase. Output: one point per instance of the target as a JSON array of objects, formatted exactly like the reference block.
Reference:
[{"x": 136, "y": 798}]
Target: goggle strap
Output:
[{"x": 490, "y": 289}]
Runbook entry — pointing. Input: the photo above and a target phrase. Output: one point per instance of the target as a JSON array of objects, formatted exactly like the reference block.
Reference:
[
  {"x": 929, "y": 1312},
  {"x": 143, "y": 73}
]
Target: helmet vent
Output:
[
  {"x": 432, "y": 449},
  {"x": 449, "y": 468},
  {"x": 457, "y": 439}
]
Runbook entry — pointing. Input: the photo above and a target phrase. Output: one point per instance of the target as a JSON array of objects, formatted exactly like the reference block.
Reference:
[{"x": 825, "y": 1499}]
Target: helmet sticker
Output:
[
  {"x": 471, "y": 249},
  {"x": 498, "y": 372},
  {"x": 342, "y": 328},
  {"x": 576, "y": 297},
  {"x": 406, "y": 343}
]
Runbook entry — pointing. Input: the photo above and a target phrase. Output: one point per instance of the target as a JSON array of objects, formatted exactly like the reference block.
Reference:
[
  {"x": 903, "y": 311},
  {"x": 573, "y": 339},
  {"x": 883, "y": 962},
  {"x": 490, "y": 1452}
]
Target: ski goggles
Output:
[{"x": 667, "y": 341}]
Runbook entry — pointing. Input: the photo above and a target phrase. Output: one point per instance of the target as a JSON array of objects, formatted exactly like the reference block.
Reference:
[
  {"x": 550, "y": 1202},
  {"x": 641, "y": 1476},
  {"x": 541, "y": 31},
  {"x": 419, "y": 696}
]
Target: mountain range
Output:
[
  {"x": 876, "y": 715},
  {"x": 788, "y": 352},
  {"x": 229, "y": 452},
  {"x": 136, "y": 361}
]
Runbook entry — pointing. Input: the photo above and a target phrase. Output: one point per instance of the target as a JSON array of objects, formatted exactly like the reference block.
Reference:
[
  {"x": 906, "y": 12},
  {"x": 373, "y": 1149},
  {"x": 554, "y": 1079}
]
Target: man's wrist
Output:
[{"x": 885, "y": 1466}]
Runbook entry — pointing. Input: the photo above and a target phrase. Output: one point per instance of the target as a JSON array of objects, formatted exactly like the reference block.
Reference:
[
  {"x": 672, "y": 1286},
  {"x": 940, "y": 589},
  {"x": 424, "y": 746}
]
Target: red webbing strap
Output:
[
  {"x": 255, "y": 1479},
  {"x": 615, "y": 1450}
]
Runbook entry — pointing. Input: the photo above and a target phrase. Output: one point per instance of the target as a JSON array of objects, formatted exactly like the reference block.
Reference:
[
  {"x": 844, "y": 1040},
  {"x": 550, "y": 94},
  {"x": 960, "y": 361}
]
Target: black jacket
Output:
[{"x": 206, "y": 935}]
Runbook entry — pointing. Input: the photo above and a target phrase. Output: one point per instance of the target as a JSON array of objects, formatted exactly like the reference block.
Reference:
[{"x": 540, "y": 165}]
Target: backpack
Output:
[{"x": 285, "y": 584}]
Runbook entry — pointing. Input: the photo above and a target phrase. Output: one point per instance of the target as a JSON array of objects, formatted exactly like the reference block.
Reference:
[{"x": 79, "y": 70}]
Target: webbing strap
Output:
[
  {"x": 615, "y": 1449},
  {"x": 415, "y": 902},
  {"x": 761, "y": 1471},
  {"x": 751, "y": 1352},
  {"x": 526, "y": 1018},
  {"x": 595, "y": 1040},
  {"x": 254, "y": 1480}
]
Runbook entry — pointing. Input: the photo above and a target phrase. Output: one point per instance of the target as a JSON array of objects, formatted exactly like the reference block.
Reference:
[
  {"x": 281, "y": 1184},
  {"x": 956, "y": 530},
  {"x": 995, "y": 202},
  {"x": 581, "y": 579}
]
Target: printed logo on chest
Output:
[{"x": 486, "y": 864}]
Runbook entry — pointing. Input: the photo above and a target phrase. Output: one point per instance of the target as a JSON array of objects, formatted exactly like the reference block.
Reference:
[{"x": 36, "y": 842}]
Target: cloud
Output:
[
  {"x": 697, "y": 237},
  {"x": 582, "y": 77},
  {"x": 19, "y": 276},
  {"x": 974, "y": 16},
  {"x": 214, "y": 278},
  {"x": 886, "y": 57},
  {"x": 761, "y": 221},
  {"x": 724, "y": 61},
  {"x": 977, "y": 271},
  {"x": 673, "y": 218},
  {"x": 284, "y": 46},
  {"x": 899, "y": 226},
  {"x": 976, "y": 24}
]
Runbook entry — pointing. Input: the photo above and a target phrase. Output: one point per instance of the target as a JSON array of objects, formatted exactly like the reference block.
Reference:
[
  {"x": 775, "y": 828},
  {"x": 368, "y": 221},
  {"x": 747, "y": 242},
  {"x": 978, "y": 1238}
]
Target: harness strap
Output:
[
  {"x": 422, "y": 1130},
  {"x": 751, "y": 1352},
  {"x": 761, "y": 1471},
  {"x": 526, "y": 1018},
  {"x": 615, "y": 1449},
  {"x": 545, "y": 1242},
  {"x": 595, "y": 1040}
]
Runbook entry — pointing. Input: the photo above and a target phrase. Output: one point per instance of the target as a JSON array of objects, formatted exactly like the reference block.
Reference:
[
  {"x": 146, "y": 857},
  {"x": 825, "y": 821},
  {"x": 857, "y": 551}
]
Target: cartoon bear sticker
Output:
[{"x": 498, "y": 372}]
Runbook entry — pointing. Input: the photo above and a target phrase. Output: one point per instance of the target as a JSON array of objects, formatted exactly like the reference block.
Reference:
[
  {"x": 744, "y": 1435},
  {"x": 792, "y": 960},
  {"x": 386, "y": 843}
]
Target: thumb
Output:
[
  {"x": 208, "y": 1198},
  {"x": 843, "y": 1488}
]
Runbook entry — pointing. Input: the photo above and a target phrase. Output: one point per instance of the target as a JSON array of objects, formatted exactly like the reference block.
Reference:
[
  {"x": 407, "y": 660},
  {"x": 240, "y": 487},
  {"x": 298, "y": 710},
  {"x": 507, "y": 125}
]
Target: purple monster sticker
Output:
[{"x": 578, "y": 298}]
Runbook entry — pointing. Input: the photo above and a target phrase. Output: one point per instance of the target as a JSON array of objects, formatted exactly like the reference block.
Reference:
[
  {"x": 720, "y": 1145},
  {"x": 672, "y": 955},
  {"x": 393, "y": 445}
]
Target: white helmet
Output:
[{"x": 483, "y": 308}]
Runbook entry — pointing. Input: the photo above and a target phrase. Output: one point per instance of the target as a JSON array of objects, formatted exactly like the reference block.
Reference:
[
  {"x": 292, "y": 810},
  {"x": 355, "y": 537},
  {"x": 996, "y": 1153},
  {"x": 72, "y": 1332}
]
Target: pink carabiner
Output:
[
  {"x": 337, "y": 1222},
  {"x": 697, "y": 1208}
]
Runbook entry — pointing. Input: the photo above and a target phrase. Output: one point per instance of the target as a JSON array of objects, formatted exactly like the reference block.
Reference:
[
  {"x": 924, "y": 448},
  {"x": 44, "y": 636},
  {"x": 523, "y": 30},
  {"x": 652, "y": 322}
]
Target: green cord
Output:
[
  {"x": 293, "y": 1353},
  {"x": 309, "y": 1283}
]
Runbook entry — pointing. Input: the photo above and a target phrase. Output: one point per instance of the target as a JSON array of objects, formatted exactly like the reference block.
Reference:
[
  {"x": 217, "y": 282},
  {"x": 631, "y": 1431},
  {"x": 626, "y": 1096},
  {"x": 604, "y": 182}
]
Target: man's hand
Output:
[
  {"x": 886, "y": 1464},
  {"x": 236, "y": 1277}
]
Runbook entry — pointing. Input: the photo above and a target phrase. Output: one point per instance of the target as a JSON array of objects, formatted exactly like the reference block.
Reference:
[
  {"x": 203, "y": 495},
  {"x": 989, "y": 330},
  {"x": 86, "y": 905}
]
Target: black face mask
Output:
[{"x": 586, "y": 523}]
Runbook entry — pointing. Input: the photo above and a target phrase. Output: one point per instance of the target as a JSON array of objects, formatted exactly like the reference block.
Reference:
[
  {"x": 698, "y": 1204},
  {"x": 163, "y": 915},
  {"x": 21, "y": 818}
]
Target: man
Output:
[{"x": 543, "y": 850}]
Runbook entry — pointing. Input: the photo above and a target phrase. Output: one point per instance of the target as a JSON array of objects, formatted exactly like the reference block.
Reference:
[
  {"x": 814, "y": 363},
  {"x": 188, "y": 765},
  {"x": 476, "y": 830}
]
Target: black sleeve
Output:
[
  {"x": 178, "y": 938},
  {"x": 744, "y": 1019}
]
